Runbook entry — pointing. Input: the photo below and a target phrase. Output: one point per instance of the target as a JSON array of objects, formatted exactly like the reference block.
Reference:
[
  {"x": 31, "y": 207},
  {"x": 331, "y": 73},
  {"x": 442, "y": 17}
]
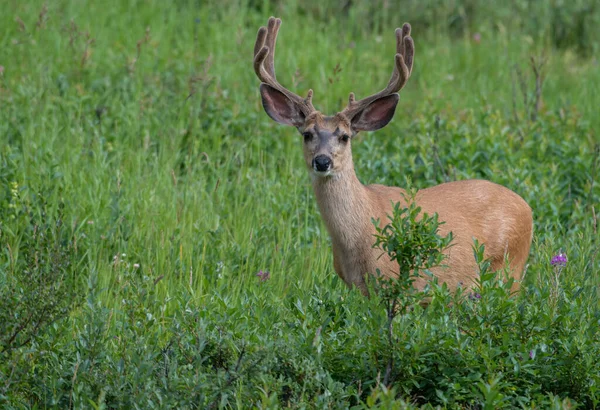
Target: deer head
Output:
[{"x": 327, "y": 139}]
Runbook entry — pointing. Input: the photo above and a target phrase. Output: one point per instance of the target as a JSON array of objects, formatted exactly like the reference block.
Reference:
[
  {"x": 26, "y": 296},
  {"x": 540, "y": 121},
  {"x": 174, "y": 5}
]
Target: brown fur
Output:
[{"x": 473, "y": 209}]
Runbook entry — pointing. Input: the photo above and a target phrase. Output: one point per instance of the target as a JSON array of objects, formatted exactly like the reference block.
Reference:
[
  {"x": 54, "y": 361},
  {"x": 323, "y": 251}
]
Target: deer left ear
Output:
[
  {"x": 279, "y": 107},
  {"x": 376, "y": 115}
]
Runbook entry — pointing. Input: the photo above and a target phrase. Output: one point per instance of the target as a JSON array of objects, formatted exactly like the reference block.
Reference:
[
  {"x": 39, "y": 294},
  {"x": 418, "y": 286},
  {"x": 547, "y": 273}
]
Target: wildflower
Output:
[
  {"x": 136, "y": 265},
  {"x": 477, "y": 37},
  {"x": 1, "y": 70},
  {"x": 475, "y": 296},
  {"x": 559, "y": 260},
  {"x": 532, "y": 354},
  {"x": 263, "y": 275}
]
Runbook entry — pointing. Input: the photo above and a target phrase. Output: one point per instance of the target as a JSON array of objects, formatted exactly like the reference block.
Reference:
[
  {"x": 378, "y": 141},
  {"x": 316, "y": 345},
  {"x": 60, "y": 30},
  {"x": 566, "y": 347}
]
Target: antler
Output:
[
  {"x": 405, "y": 51},
  {"x": 264, "y": 64}
]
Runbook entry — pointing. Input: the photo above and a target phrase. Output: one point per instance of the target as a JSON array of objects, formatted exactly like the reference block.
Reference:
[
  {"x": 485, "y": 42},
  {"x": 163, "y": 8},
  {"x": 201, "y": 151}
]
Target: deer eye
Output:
[
  {"x": 307, "y": 136},
  {"x": 344, "y": 138}
]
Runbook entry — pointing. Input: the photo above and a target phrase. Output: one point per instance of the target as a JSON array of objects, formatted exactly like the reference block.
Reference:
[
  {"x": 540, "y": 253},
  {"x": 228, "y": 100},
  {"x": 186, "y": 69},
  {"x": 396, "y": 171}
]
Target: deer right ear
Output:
[
  {"x": 279, "y": 107},
  {"x": 377, "y": 114}
]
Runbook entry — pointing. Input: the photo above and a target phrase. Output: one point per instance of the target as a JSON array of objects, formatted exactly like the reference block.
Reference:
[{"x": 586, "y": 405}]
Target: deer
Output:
[{"x": 470, "y": 209}]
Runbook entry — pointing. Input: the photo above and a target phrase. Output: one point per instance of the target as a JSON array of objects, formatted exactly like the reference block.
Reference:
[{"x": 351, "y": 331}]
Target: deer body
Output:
[
  {"x": 473, "y": 209},
  {"x": 470, "y": 209}
]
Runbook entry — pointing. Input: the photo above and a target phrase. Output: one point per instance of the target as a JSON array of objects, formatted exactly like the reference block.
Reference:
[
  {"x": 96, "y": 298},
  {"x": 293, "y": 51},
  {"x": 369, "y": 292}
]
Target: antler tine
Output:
[
  {"x": 403, "y": 63},
  {"x": 264, "y": 64},
  {"x": 260, "y": 40},
  {"x": 272, "y": 31},
  {"x": 403, "y": 35},
  {"x": 408, "y": 50}
]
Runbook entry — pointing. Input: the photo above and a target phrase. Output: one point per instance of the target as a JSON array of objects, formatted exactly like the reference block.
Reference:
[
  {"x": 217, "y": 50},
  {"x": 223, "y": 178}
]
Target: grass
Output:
[{"x": 132, "y": 134}]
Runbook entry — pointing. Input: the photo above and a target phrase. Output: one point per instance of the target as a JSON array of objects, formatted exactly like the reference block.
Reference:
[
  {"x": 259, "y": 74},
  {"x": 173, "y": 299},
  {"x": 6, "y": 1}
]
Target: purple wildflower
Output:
[
  {"x": 559, "y": 260},
  {"x": 532, "y": 354},
  {"x": 475, "y": 296},
  {"x": 263, "y": 275}
]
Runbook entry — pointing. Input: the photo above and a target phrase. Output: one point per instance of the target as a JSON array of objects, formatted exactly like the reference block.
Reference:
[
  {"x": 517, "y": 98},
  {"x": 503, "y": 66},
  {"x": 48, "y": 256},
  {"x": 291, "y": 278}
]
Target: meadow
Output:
[{"x": 160, "y": 244}]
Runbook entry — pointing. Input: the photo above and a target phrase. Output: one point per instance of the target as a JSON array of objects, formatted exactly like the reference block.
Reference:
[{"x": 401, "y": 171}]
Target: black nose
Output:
[{"x": 322, "y": 163}]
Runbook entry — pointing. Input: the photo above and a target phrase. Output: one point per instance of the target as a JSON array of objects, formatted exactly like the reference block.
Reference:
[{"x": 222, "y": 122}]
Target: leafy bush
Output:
[{"x": 412, "y": 240}]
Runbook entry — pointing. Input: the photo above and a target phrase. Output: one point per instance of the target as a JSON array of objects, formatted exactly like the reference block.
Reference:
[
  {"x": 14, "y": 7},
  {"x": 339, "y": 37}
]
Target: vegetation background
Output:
[{"x": 160, "y": 245}]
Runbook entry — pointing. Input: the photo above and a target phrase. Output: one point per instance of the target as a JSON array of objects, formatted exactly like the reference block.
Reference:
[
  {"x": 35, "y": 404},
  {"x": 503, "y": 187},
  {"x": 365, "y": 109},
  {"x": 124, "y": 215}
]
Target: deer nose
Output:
[{"x": 322, "y": 163}]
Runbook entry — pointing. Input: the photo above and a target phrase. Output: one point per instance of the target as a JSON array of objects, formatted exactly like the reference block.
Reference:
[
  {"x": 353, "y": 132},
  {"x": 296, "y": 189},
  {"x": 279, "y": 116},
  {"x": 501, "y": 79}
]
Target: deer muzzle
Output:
[{"x": 322, "y": 163}]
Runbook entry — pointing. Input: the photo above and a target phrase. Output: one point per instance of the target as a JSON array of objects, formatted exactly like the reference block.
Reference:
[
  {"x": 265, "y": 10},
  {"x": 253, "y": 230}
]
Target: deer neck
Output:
[{"x": 345, "y": 207}]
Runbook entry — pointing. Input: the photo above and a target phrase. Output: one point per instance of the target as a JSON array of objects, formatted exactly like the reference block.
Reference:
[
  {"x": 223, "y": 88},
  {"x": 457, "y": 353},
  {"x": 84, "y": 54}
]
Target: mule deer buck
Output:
[{"x": 478, "y": 209}]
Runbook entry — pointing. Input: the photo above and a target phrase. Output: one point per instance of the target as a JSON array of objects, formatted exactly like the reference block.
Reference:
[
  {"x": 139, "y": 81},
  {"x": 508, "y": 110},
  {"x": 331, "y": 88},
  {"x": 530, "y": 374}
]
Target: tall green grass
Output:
[{"x": 133, "y": 137}]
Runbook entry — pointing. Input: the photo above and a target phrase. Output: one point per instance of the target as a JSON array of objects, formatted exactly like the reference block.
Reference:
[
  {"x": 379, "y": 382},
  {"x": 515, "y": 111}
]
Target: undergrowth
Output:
[{"x": 160, "y": 246}]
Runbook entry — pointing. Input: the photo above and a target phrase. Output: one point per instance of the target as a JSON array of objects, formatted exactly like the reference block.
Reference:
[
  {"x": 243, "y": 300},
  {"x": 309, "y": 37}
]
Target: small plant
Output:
[
  {"x": 37, "y": 291},
  {"x": 532, "y": 100},
  {"x": 81, "y": 43},
  {"x": 141, "y": 42},
  {"x": 412, "y": 239},
  {"x": 558, "y": 262}
]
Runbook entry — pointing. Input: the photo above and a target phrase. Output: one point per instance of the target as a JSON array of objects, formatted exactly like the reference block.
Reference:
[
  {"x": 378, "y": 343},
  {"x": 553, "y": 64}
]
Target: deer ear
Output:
[
  {"x": 376, "y": 115},
  {"x": 279, "y": 107}
]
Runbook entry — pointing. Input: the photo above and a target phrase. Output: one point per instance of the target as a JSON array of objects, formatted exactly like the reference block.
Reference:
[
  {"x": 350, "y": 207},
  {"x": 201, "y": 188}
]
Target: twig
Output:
[
  {"x": 73, "y": 384},
  {"x": 593, "y": 175},
  {"x": 536, "y": 66},
  {"x": 19, "y": 329},
  {"x": 514, "y": 96},
  {"x": 391, "y": 314}
]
